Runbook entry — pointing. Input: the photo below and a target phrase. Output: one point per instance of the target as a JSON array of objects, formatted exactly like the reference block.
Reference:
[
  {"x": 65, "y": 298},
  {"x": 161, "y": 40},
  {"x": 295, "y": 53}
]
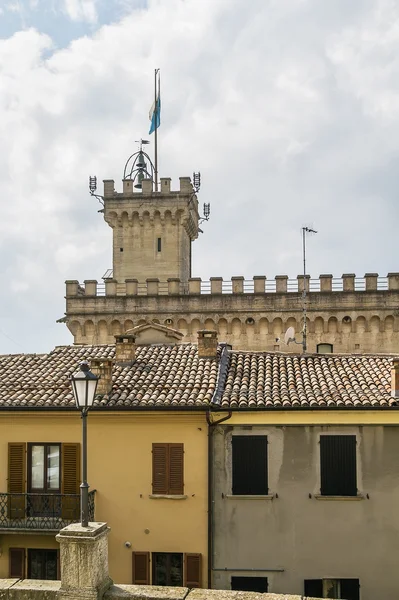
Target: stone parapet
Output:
[
  {"x": 259, "y": 284},
  {"x": 30, "y": 589}
]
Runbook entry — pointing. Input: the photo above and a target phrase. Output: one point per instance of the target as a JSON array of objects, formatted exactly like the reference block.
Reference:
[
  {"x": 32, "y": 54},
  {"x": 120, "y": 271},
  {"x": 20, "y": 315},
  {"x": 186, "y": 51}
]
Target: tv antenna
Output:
[{"x": 289, "y": 335}]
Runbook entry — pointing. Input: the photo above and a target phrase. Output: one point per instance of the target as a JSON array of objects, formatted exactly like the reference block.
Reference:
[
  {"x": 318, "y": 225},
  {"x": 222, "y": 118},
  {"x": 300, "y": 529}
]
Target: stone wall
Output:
[
  {"x": 84, "y": 574},
  {"x": 351, "y": 314}
]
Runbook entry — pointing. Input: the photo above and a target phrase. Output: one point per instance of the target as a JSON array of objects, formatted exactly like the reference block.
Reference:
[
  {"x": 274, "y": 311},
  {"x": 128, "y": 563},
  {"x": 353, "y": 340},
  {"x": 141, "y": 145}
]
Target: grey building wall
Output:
[{"x": 292, "y": 535}]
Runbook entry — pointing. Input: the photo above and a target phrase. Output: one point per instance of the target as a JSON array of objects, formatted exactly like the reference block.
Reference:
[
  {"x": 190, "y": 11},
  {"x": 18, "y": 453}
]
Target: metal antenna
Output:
[{"x": 305, "y": 230}]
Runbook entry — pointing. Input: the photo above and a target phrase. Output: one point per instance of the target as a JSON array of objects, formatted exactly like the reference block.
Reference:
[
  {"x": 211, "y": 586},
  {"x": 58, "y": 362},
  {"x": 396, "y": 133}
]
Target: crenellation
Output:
[
  {"x": 90, "y": 287},
  {"x": 216, "y": 285},
  {"x": 153, "y": 287},
  {"x": 325, "y": 282},
  {"x": 237, "y": 285},
  {"x": 109, "y": 188},
  {"x": 281, "y": 284},
  {"x": 110, "y": 287},
  {"x": 371, "y": 281},
  {"x": 259, "y": 284},
  {"x": 301, "y": 284},
  {"x": 348, "y": 280}
]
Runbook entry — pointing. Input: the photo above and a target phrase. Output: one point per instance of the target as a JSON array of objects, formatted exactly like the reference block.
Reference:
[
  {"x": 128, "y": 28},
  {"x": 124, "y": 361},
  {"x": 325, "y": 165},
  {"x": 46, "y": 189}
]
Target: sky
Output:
[{"x": 288, "y": 108}]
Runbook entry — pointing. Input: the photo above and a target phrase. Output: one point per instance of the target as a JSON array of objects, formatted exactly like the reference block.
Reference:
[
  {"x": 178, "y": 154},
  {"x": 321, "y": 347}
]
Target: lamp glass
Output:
[{"x": 84, "y": 385}]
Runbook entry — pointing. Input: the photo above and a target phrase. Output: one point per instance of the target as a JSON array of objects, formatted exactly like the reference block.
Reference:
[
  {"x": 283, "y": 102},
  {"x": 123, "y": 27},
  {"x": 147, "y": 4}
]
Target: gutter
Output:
[{"x": 215, "y": 403}]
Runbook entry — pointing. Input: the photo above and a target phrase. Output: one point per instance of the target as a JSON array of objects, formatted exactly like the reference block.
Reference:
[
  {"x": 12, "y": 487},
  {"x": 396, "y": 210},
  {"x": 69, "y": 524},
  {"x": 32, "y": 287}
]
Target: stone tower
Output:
[{"x": 152, "y": 231}]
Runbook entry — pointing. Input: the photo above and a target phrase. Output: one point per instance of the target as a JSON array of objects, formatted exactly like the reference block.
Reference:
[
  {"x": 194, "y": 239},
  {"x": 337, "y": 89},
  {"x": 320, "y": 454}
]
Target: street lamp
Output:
[{"x": 84, "y": 385}]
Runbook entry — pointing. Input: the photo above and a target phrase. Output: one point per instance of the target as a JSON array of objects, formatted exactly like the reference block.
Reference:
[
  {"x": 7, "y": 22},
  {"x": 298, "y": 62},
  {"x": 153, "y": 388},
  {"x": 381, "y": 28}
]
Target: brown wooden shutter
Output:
[
  {"x": 16, "y": 479},
  {"x": 160, "y": 468},
  {"x": 192, "y": 570},
  {"x": 16, "y": 561},
  {"x": 176, "y": 469},
  {"x": 141, "y": 568},
  {"x": 70, "y": 480}
]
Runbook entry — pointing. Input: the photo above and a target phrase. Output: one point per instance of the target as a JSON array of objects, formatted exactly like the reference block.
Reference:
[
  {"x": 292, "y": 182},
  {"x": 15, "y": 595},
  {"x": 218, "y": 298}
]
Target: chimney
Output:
[
  {"x": 103, "y": 369},
  {"x": 125, "y": 349},
  {"x": 207, "y": 343},
  {"x": 395, "y": 378}
]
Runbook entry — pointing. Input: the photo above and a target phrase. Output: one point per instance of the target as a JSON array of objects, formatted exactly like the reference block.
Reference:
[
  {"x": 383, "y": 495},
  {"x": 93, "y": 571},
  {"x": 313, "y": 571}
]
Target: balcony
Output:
[{"x": 44, "y": 513}]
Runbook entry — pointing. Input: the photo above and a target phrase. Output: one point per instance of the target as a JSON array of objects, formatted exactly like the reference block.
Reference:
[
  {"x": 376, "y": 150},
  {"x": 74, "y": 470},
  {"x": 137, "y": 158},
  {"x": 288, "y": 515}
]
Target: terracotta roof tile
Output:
[{"x": 174, "y": 376}]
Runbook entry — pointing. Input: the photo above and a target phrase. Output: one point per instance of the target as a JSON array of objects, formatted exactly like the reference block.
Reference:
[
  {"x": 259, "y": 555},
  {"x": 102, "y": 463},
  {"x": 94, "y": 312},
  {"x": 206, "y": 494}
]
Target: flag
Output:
[{"x": 155, "y": 115}]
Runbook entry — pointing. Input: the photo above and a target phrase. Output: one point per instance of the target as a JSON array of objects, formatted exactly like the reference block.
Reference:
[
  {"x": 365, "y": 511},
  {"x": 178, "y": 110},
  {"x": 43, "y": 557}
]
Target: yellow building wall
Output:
[{"x": 120, "y": 469}]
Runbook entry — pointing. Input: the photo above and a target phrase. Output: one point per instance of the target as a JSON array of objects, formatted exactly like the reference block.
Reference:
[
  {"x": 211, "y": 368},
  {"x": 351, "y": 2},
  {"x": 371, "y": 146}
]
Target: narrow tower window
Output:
[{"x": 159, "y": 244}]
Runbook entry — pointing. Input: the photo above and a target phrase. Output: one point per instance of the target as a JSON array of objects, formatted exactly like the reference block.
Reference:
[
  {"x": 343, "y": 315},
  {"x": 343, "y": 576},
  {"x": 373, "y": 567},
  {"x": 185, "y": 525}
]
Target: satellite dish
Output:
[{"x": 289, "y": 335}]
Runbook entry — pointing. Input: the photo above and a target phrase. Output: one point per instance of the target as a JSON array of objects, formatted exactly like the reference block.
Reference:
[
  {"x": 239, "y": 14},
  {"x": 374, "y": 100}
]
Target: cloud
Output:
[
  {"x": 81, "y": 10},
  {"x": 288, "y": 108}
]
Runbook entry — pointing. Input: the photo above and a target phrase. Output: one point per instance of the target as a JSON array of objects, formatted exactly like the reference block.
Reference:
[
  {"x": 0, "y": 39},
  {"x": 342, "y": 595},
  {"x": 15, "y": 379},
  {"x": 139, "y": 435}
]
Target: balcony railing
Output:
[{"x": 41, "y": 512}]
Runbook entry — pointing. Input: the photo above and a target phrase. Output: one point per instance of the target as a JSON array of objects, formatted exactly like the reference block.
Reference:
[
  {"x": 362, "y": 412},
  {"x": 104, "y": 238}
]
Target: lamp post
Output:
[{"x": 84, "y": 385}]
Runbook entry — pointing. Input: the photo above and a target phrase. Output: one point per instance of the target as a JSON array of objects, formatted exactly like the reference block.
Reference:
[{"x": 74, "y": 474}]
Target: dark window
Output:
[
  {"x": 167, "y": 469},
  {"x": 42, "y": 564},
  {"x": 338, "y": 465},
  {"x": 249, "y": 465},
  {"x": 249, "y": 584},
  {"x": 16, "y": 560},
  {"x": 167, "y": 568},
  {"x": 159, "y": 244},
  {"x": 345, "y": 589},
  {"x": 324, "y": 348}
]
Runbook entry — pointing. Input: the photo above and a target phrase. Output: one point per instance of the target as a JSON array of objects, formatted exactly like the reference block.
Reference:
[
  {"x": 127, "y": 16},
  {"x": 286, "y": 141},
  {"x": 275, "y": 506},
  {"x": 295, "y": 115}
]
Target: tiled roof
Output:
[
  {"x": 260, "y": 380},
  {"x": 165, "y": 376},
  {"x": 161, "y": 376}
]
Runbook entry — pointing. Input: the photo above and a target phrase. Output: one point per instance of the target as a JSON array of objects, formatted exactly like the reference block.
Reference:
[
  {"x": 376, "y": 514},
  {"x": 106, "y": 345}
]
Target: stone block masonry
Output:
[{"x": 350, "y": 314}]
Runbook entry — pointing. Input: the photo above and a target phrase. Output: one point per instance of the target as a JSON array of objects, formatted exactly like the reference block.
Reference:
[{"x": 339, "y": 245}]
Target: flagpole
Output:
[{"x": 156, "y": 129}]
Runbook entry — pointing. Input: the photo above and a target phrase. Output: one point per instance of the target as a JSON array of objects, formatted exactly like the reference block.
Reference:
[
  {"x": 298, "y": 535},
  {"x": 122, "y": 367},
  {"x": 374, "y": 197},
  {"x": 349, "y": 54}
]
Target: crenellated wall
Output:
[{"x": 353, "y": 314}]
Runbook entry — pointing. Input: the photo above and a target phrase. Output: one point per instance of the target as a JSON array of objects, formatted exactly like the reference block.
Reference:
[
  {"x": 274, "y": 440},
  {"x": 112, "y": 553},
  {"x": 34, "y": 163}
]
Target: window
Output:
[
  {"x": 42, "y": 564},
  {"x": 159, "y": 244},
  {"x": 324, "y": 348},
  {"x": 347, "y": 589},
  {"x": 44, "y": 468},
  {"x": 249, "y": 465},
  {"x": 338, "y": 465},
  {"x": 167, "y": 469},
  {"x": 52, "y": 484},
  {"x": 168, "y": 568},
  {"x": 249, "y": 584}
]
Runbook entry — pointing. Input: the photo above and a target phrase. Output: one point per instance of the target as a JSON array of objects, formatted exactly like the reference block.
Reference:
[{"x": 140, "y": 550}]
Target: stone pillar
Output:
[
  {"x": 127, "y": 187},
  {"x": 84, "y": 561},
  {"x": 393, "y": 281},
  {"x": 185, "y": 185},
  {"x": 90, "y": 287},
  {"x": 110, "y": 287},
  {"x": 237, "y": 285},
  {"x": 348, "y": 280},
  {"x": 300, "y": 279},
  {"x": 165, "y": 185},
  {"x": 103, "y": 369},
  {"x": 152, "y": 287},
  {"x": 259, "y": 284},
  {"x": 72, "y": 287},
  {"x": 146, "y": 186},
  {"x": 173, "y": 286},
  {"x": 281, "y": 284},
  {"x": 109, "y": 188},
  {"x": 131, "y": 287},
  {"x": 325, "y": 283},
  {"x": 371, "y": 282},
  {"x": 207, "y": 343},
  {"x": 216, "y": 285},
  {"x": 194, "y": 285}
]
